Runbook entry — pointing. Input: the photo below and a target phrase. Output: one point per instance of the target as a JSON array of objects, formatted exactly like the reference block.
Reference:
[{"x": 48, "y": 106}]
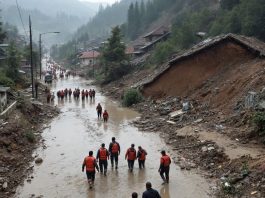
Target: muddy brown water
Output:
[{"x": 77, "y": 130}]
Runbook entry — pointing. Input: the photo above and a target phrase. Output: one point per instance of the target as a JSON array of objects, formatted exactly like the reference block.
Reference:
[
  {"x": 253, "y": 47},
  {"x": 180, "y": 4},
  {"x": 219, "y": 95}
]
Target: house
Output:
[
  {"x": 156, "y": 34},
  {"x": 152, "y": 38},
  {"x": 217, "y": 65},
  {"x": 89, "y": 58},
  {"x": 3, "y": 98}
]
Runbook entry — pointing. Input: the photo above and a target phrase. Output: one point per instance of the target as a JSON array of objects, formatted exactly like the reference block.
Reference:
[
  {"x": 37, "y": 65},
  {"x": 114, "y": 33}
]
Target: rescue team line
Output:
[{"x": 103, "y": 155}]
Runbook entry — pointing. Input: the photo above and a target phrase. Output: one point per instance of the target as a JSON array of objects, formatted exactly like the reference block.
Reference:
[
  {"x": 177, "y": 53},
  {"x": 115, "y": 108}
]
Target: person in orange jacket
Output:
[
  {"x": 141, "y": 155},
  {"x": 165, "y": 162},
  {"x": 105, "y": 116},
  {"x": 131, "y": 157},
  {"x": 91, "y": 165},
  {"x": 115, "y": 150},
  {"x": 103, "y": 157}
]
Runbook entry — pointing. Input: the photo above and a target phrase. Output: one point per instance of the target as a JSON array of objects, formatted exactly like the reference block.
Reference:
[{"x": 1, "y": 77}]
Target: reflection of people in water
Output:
[
  {"x": 164, "y": 191},
  {"x": 105, "y": 126}
]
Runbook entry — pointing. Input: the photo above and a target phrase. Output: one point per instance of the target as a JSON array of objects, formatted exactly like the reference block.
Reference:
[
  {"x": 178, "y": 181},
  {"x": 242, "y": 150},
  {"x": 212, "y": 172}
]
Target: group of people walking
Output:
[
  {"x": 105, "y": 114},
  {"x": 103, "y": 155},
  {"x": 64, "y": 93}
]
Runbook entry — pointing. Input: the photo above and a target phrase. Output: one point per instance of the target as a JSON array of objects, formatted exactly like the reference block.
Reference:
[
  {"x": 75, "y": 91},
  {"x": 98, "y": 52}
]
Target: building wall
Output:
[
  {"x": 88, "y": 62},
  {"x": 186, "y": 75}
]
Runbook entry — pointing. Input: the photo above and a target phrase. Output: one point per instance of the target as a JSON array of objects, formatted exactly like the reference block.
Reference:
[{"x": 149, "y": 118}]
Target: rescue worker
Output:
[
  {"x": 91, "y": 164},
  {"x": 165, "y": 162},
  {"x": 114, "y": 149},
  {"x": 150, "y": 192},
  {"x": 141, "y": 155},
  {"x": 105, "y": 116},
  {"x": 103, "y": 157},
  {"x": 134, "y": 195},
  {"x": 86, "y": 93},
  {"x": 90, "y": 94},
  {"x": 99, "y": 111},
  {"x": 93, "y": 94},
  {"x": 131, "y": 157}
]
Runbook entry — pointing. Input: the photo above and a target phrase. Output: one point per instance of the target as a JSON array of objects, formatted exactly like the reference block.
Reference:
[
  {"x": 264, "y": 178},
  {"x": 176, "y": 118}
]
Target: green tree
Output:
[{"x": 114, "y": 58}]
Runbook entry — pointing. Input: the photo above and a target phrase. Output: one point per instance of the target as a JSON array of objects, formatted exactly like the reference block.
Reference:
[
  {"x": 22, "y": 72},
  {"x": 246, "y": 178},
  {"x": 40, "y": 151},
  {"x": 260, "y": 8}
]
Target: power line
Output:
[{"x": 20, "y": 16}]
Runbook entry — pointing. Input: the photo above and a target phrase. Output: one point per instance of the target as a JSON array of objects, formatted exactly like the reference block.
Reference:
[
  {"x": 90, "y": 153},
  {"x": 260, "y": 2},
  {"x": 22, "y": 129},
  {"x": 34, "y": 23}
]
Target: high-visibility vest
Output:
[
  {"x": 103, "y": 154},
  {"x": 131, "y": 154},
  {"x": 143, "y": 154},
  {"x": 165, "y": 160},
  {"x": 90, "y": 163},
  {"x": 115, "y": 148}
]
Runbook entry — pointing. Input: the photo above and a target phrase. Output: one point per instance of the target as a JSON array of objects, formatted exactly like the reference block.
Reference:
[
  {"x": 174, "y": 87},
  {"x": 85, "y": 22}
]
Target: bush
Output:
[
  {"x": 132, "y": 96},
  {"x": 4, "y": 80},
  {"x": 259, "y": 121},
  {"x": 30, "y": 136}
]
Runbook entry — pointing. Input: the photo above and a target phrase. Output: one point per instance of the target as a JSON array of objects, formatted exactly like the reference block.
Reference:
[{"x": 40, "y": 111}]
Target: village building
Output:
[
  {"x": 89, "y": 58},
  {"x": 3, "y": 98},
  {"x": 211, "y": 70}
]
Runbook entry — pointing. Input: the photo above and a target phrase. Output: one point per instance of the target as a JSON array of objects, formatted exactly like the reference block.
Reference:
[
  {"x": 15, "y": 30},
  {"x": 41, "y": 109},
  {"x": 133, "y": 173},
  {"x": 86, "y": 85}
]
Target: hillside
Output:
[
  {"x": 52, "y": 8},
  {"x": 64, "y": 16}
]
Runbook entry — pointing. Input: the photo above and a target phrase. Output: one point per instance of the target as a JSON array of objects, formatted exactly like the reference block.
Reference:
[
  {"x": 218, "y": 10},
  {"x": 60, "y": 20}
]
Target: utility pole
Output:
[
  {"x": 40, "y": 54},
  {"x": 31, "y": 58}
]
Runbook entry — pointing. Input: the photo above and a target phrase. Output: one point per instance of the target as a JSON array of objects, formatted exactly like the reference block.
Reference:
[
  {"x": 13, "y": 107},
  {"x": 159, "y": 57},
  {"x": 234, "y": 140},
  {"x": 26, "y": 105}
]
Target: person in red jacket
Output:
[
  {"x": 105, "y": 116},
  {"x": 131, "y": 157},
  {"x": 103, "y": 157},
  {"x": 141, "y": 155},
  {"x": 165, "y": 162},
  {"x": 91, "y": 165}
]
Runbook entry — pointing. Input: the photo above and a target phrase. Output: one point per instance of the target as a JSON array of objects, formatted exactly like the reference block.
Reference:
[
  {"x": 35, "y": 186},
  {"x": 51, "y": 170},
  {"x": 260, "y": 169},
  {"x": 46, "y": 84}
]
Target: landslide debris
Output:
[{"x": 19, "y": 136}]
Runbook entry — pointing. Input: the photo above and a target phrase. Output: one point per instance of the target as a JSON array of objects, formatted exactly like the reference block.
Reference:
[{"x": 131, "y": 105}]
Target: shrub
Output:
[
  {"x": 132, "y": 96},
  {"x": 259, "y": 121},
  {"x": 30, "y": 136},
  {"x": 4, "y": 80}
]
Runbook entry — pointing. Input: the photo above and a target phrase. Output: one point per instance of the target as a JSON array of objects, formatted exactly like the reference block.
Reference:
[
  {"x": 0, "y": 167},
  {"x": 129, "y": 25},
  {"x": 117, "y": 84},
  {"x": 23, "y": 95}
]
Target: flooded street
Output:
[{"x": 76, "y": 131}]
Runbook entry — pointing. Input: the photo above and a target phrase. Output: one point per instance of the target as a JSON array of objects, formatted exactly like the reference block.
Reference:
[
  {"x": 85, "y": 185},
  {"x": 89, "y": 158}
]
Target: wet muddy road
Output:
[{"x": 76, "y": 131}]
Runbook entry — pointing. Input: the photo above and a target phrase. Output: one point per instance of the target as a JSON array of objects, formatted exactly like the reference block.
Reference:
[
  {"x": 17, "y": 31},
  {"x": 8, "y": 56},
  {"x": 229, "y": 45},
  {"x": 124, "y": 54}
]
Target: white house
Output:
[
  {"x": 89, "y": 58},
  {"x": 3, "y": 98}
]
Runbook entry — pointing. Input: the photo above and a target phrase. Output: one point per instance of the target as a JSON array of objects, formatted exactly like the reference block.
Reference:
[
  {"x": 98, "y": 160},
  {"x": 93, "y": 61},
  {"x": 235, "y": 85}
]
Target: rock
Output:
[
  {"x": 210, "y": 148},
  {"x": 4, "y": 186},
  {"x": 176, "y": 113},
  {"x": 39, "y": 160},
  {"x": 171, "y": 122},
  {"x": 204, "y": 149},
  {"x": 198, "y": 120}
]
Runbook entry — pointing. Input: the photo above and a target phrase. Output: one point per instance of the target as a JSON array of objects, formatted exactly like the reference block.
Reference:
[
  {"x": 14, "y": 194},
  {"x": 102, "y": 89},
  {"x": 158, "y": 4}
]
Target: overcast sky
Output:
[{"x": 104, "y": 1}]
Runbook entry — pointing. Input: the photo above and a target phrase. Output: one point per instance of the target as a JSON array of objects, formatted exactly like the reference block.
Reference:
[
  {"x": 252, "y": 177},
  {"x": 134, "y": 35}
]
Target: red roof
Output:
[
  {"x": 129, "y": 50},
  {"x": 89, "y": 54}
]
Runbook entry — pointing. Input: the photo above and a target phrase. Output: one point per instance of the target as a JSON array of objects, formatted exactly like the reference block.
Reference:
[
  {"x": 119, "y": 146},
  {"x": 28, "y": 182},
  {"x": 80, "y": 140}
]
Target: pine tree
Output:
[{"x": 114, "y": 56}]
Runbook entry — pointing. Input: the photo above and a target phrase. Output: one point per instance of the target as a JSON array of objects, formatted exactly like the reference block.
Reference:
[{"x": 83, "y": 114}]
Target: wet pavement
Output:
[{"x": 77, "y": 130}]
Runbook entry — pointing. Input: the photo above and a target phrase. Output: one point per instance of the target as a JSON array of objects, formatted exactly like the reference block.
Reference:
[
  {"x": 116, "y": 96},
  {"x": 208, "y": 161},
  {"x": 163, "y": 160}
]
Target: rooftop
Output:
[{"x": 89, "y": 54}]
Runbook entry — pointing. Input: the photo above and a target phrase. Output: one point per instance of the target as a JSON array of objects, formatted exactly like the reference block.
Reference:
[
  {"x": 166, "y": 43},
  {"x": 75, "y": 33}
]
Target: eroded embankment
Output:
[{"x": 19, "y": 136}]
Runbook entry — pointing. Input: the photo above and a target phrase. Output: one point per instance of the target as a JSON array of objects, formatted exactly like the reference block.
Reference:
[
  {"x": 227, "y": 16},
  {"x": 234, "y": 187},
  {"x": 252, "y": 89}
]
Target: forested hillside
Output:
[{"x": 185, "y": 17}]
